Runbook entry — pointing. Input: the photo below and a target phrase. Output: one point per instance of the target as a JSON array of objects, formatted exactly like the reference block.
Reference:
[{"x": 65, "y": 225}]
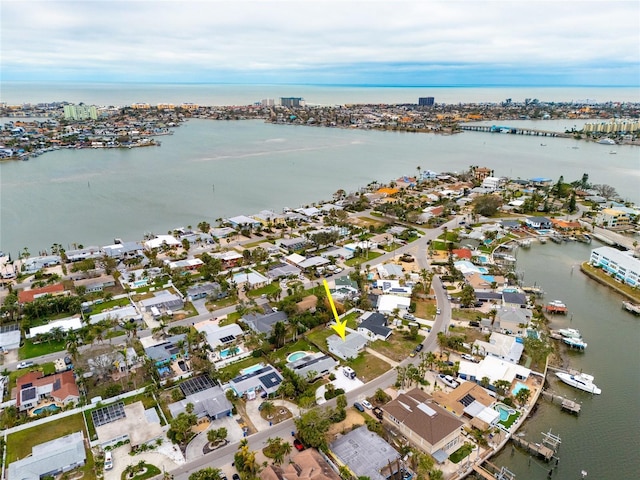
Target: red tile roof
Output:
[{"x": 26, "y": 296}]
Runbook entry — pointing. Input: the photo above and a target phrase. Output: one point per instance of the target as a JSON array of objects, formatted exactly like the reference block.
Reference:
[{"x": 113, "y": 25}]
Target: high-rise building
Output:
[
  {"x": 426, "y": 101},
  {"x": 80, "y": 112},
  {"x": 291, "y": 101},
  {"x": 268, "y": 102}
]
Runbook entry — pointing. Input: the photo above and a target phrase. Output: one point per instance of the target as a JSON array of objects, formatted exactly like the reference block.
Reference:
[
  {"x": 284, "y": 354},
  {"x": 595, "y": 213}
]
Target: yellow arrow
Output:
[{"x": 339, "y": 327}]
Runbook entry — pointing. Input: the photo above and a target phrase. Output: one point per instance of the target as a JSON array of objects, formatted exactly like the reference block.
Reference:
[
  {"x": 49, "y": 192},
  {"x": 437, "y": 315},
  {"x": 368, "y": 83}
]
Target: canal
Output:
[{"x": 603, "y": 439}]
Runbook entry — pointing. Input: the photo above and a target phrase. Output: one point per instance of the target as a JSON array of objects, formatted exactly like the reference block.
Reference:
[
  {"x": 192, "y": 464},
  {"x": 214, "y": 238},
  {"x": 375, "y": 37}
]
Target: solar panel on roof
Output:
[
  {"x": 27, "y": 385},
  {"x": 173, "y": 350},
  {"x": 467, "y": 400},
  {"x": 197, "y": 384},
  {"x": 28, "y": 394},
  {"x": 227, "y": 339},
  {"x": 270, "y": 380},
  {"x": 56, "y": 384}
]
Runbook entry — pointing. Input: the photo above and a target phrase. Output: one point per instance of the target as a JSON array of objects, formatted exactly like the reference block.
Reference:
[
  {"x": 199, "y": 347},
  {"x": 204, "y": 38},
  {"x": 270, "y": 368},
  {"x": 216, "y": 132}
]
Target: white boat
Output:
[
  {"x": 575, "y": 343},
  {"x": 631, "y": 307},
  {"x": 557, "y": 303},
  {"x": 569, "y": 333},
  {"x": 581, "y": 381},
  {"x": 606, "y": 141}
]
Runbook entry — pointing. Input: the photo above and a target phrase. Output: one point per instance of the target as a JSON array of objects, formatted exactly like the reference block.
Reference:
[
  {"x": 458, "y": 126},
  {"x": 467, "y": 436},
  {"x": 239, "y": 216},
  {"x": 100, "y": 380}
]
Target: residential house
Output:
[
  {"x": 242, "y": 221},
  {"x": 366, "y": 454},
  {"x": 307, "y": 304},
  {"x": 188, "y": 264},
  {"x": 166, "y": 351},
  {"x": 390, "y": 270},
  {"x": 492, "y": 368},
  {"x": 344, "y": 287},
  {"x": 64, "y": 325},
  {"x": 35, "y": 264},
  {"x": 34, "y": 387},
  {"x": 538, "y": 223},
  {"x": 219, "y": 336},
  {"x": 387, "y": 304},
  {"x": 514, "y": 299},
  {"x": 292, "y": 244},
  {"x": 263, "y": 323},
  {"x": 306, "y": 465},
  {"x": 28, "y": 296},
  {"x": 229, "y": 259},
  {"x": 283, "y": 270},
  {"x": 83, "y": 254},
  {"x": 471, "y": 401},
  {"x": 374, "y": 326},
  {"x": 93, "y": 285},
  {"x": 425, "y": 424},
  {"x": 512, "y": 319},
  {"x": 123, "y": 250},
  {"x": 250, "y": 279},
  {"x": 204, "y": 290},
  {"x": 211, "y": 402},
  {"x": 51, "y": 458},
  {"x": 161, "y": 241},
  {"x": 350, "y": 347},
  {"x": 133, "y": 423},
  {"x": 162, "y": 300},
  {"x": 504, "y": 347},
  {"x": 393, "y": 287},
  {"x": 317, "y": 364},
  {"x": 261, "y": 378}
]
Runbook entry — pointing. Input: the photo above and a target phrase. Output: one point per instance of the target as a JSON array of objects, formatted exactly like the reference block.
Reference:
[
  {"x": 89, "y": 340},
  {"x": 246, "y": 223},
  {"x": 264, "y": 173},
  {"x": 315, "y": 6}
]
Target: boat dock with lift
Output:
[{"x": 566, "y": 404}]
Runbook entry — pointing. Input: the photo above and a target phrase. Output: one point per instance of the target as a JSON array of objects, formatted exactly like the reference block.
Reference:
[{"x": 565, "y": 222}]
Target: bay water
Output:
[{"x": 603, "y": 439}]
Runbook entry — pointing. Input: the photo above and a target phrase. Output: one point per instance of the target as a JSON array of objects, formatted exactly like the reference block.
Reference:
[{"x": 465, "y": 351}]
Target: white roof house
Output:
[
  {"x": 348, "y": 348},
  {"x": 161, "y": 240},
  {"x": 252, "y": 278},
  {"x": 116, "y": 314},
  {"x": 66, "y": 325},
  {"x": 494, "y": 369},
  {"x": 502, "y": 346},
  {"x": 388, "y": 303},
  {"x": 217, "y": 335}
]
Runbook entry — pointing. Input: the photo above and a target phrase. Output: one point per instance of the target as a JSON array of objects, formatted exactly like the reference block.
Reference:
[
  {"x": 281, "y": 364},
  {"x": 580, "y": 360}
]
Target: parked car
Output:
[
  {"x": 409, "y": 316},
  {"x": 474, "y": 324},
  {"x": 235, "y": 476},
  {"x": 25, "y": 364},
  {"x": 437, "y": 311},
  {"x": 358, "y": 407},
  {"x": 466, "y": 356},
  {"x": 298, "y": 445},
  {"x": 366, "y": 404},
  {"x": 419, "y": 347},
  {"x": 108, "y": 461},
  {"x": 448, "y": 380}
]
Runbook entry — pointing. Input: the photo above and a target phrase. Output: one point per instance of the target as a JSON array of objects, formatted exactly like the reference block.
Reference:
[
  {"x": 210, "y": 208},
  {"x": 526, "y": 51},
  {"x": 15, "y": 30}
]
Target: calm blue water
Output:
[
  {"x": 519, "y": 386},
  {"x": 296, "y": 356},
  {"x": 225, "y": 353},
  {"x": 252, "y": 369},
  {"x": 49, "y": 408}
]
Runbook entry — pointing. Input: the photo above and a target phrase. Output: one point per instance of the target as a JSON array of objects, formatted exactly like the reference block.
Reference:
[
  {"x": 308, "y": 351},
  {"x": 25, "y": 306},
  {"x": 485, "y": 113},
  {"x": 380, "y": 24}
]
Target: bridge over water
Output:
[{"x": 513, "y": 130}]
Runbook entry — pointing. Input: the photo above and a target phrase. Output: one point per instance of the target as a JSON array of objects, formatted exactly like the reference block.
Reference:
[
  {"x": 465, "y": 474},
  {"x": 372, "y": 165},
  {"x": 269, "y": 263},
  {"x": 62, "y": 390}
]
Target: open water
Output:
[{"x": 603, "y": 439}]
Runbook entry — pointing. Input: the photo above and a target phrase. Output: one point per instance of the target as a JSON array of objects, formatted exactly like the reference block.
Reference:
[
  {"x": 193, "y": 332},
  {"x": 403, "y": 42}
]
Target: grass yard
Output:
[
  {"x": 466, "y": 314},
  {"x": 150, "y": 472},
  {"x": 30, "y": 349},
  {"x": 233, "y": 370},
  {"x": 221, "y": 303},
  {"x": 368, "y": 367},
  {"x": 463, "y": 452},
  {"x": 360, "y": 260},
  {"x": 19, "y": 444},
  {"x": 319, "y": 335},
  {"x": 425, "y": 309},
  {"x": 397, "y": 347},
  {"x": 99, "y": 307},
  {"x": 232, "y": 317},
  {"x": 511, "y": 420},
  {"x": 266, "y": 290},
  {"x": 302, "y": 344},
  {"x": 601, "y": 276}
]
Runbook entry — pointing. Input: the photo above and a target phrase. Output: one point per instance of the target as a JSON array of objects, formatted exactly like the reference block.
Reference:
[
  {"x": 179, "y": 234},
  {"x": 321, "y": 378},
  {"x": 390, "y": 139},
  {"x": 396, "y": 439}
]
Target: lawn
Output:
[
  {"x": 464, "y": 451},
  {"x": 233, "y": 370},
  {"x": 360, "y": 260},
  {"x": 30, "y": 349},
  {"x": 397, "y": 347},
  {"x": 150, "y": 472},
  {"x": 425, "y": 309},
  {"x": 99, "y": 307},
  {"x": 232, "y": 317},
  {"x": 511, "y": 420},
  {"x": 608, "y": 280},
  {"x": 302, "y": 344},
  {"x": 266, "y": 290},
  {"x": 467, "y": 314},
  {"x": 368, "y": 367},
  {"x": 319, "y": 335},
  {"x": 221, "y": 303},
  {"x": 19, "y": 444}
]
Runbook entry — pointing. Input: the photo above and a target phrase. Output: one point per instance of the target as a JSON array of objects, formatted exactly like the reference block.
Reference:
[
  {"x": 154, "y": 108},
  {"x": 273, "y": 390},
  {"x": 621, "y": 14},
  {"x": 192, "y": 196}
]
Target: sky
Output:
[{"x": 335, "y": 42}]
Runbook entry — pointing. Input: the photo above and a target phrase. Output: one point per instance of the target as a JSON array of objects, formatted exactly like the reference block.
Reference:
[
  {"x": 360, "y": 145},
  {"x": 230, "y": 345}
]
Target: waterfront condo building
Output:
[
  {"x": 612, "y": 218},
  {"x": 621, "y": 265},
  {"x": 80, "y": 112},
  {"x": 426, "y": 101},
  {"x": 291, "y": 101}
]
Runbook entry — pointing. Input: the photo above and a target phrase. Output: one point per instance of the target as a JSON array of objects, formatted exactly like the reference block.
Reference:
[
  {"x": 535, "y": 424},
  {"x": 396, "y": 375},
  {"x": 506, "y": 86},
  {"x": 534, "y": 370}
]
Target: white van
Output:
[
  {"x": 349, "y": 372},
  {"x": 108, "y": 461}
]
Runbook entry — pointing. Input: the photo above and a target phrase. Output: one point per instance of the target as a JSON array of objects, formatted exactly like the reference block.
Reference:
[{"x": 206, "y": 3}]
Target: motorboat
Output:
[
  {"x": 569, "y": 333},
  {"x": 581, "y": 381},
  {"x": 575, "y": 343}
]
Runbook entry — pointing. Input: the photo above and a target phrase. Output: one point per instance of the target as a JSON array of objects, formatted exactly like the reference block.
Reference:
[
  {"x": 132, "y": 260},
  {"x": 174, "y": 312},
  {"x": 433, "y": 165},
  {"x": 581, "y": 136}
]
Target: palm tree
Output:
[
  {"x": 73, "y": 343},
  {"x": 268, "y": 408}
]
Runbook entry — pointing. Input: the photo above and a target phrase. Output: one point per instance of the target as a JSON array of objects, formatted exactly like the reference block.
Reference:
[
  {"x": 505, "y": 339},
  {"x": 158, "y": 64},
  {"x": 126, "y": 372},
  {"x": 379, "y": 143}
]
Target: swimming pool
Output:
[
  {"x": 483, "y": 270},
  {"x": 504, "y": 411},
  {"x": 47, "y": 408},
  {"x": 296, "y": 356},
  {"x": 519, "y": 386},
  {"x": 162, "y": 371},
  {"x": 226, "y": 352},
  {"x": 253, "y": 368},
  {"x": 544, "y": 232}
]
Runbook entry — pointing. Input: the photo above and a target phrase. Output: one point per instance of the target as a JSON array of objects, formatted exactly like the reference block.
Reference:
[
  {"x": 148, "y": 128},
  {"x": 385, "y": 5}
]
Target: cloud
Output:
[{"x": 322, "y": 41}]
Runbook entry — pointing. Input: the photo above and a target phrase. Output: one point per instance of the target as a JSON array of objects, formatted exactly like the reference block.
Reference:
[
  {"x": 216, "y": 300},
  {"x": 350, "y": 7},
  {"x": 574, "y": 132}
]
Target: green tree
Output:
[
  {"x": 523, "y": 396},
  {"x": 486, "y": 205},
  {"x": 180, "y": 428},
  {"x": 208, "y": 473},
  {"x": 467, "y": 296},
  {"x": 312, "y": 427}
]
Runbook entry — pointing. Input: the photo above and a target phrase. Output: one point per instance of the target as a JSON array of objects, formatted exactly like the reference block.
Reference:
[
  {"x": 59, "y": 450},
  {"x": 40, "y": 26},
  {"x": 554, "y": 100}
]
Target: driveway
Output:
[
  {"x": 234, "y": 434},
  {"x": 166, "y": 457},
  {"x": 260, "y": 423}
]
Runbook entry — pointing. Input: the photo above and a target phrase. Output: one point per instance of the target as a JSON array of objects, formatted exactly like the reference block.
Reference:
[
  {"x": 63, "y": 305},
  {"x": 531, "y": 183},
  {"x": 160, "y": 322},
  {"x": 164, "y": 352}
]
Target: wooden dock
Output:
[
  {"x": 540, "y": 450},
  {"x": 566, "y": 404}
]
